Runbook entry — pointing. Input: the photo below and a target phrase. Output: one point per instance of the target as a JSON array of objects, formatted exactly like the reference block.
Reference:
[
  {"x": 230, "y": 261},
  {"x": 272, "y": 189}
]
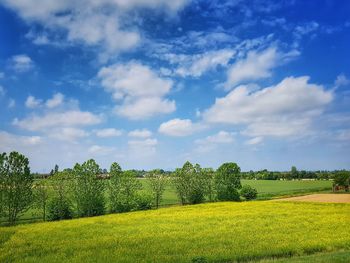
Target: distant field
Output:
[
  {"x": 266, "y": 189},
  {"x": 214, "y": 232}
]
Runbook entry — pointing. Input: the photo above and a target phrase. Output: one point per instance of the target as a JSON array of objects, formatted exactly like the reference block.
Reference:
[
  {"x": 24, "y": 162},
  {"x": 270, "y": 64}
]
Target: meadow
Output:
[
  {"x": 212, "y": 232},
  {"x": 267, "y": 189}
]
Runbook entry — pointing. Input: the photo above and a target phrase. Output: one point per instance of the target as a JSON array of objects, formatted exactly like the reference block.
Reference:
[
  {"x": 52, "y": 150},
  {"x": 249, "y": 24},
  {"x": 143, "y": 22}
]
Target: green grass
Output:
[
  {"x": 215, "y": 232},
  {"x": 266, "y": 189}
]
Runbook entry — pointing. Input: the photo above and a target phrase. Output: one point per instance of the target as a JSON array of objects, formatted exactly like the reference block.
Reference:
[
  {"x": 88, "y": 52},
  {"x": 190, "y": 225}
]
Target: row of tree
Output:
[
  {"x": 82, "y": 191},
  {"x": 293, "y": 174}
]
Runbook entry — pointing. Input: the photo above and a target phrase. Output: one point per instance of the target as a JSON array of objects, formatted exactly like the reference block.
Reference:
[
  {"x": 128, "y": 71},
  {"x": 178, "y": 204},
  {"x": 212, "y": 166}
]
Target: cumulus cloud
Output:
[
  {"x": 11, "y": 104},
  {"x": 50, "y": 120},
  {"x": 32, "y": 102},
  {"x": 281, "y": 110},
  {"x": 67, "y": 134},
  {"x": 2, "y": 91},
  {"x": 56, "y": 100},
  {"x": 98, "y": 150},
  {"x": 21, "y": 63},
  {"x": 222, "y": 137},
  {"x": 109, "y": 132},
  {"x": 179, "y": 127},
  {"x": 256, "y": 65},
  {"x": 144, "y": 133},
  {"x": 341, "y": 80},
  {"x": 143, "y": 147},
  {"x": 196, "y": 65},
  {"x": 139, "y": 88},
  {"x": 90, "y": 22}
]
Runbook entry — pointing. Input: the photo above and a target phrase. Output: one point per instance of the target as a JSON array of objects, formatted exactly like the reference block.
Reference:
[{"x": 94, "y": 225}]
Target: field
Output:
[
  {"x": 214, "y": 232},
  {"x": 324, "y": 198},
  {"x": 267, "y": 189}
]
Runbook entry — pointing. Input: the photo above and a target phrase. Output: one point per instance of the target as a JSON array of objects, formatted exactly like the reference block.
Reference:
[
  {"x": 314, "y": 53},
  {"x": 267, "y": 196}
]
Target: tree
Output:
[
  {"x": 190, "y": 184},
  {"x": 209, "y": 183},
  {"x": 342, "y": 178},
  {"x": 248, "y": 192},
  {"x": 157, "y": 182},
  {"x": 294, "y": 174},
  {"x": 60, "y": 206},
  {"x": 41, "y": 196},
  {"x": 88, "y": 189},
  {"x": 227, "y": 182},
  {"x": 123, "y": 188},
  {"x": 15, "y": 185}
]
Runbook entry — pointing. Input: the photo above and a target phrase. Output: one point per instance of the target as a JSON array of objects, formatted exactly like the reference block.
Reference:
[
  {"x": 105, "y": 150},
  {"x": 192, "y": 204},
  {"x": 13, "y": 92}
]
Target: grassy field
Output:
[
  {"x": 266, "y": 189},
  {"x": 214, "y": 232}
]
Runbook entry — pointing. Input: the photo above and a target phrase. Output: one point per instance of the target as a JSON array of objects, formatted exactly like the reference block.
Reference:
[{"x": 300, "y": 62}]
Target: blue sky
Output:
[{"x": 153, "y": 83}]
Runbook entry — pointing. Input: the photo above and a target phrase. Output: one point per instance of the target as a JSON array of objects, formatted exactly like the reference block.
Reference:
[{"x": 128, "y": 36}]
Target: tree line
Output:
[{"x": 82, "y": 192}]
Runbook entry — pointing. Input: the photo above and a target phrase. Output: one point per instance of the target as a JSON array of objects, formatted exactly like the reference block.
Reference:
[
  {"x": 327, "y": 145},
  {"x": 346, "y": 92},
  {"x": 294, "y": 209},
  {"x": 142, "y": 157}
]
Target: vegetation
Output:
[
  {"x": 220, "y": 232},
  {"x": 248, "y": 192},
  {"x": 15, "y": 185},
  {"x": 157, "y": 182},
  {"x": 227, "y": 182}
]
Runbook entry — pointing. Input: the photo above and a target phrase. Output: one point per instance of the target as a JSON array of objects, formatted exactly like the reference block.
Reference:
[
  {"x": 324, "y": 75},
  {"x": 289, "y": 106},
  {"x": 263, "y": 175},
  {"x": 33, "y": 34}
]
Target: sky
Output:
[{"x": 154, "y": 83}]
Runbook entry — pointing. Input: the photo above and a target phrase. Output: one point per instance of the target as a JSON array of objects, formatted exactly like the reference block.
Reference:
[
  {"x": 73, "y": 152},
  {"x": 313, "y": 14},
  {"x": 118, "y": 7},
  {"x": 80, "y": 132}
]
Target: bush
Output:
[
  {"x": 248, "y": 192},
  {"x": 227, "y": 182},
  {"x": 144, "y": 201},
  {"x": 59, "y": 209}
]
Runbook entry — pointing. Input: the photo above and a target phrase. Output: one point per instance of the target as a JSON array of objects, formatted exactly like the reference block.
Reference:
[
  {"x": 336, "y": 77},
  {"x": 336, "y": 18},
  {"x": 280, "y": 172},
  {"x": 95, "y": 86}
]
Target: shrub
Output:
[
  {"x": 248, "y": 192},
  {"x": 144, "y": 201},
  {"x": 59, "y": 209}
]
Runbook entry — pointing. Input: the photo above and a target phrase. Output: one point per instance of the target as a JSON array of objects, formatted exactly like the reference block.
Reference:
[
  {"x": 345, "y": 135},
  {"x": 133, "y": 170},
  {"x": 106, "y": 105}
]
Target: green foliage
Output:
[
  {"x": 227, "y": 182},
  {"x": 189, "y": 183},
  {"x": 15, "y": 185},
  {"x": 59, "y": 209},
  {"x": 122, "y": 189},
  {"x": 342, "y": 178},
  {"x": 88, "y": 189},
  {"x": 144, "y": 200},
  {"x": 209, "y": 183},
  {"x": 157, "y": 181},
  {"x": 248, "y": 192},
  {"x": 41, "y": 196}
]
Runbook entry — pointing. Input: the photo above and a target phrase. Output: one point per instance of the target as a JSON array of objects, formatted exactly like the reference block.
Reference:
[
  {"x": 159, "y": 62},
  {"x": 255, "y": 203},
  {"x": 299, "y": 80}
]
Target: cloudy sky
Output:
[{"x": 153, "y": 83}]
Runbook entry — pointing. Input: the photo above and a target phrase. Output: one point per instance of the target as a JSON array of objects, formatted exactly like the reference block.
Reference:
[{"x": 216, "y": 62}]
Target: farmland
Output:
[
  {"x": 266, "y": 189},
  {"x": 220, "y": 232}
]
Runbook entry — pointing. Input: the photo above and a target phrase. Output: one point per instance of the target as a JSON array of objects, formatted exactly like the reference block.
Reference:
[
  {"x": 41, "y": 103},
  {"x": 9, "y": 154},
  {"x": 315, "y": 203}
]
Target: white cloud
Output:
[
  {"x": 143, "y": 143},
  {"x": 50, "y": 120},
  {"x": 341, "y": 80},
  {"x": 98, "y": 150},
  {"x": 254, "y": 141},
  {"x": 139, "y": 88},
  {"x": 2, "y": 75},
  {"x": 21, "y": 63},
  {"x": 222, "y": 137},
  {"x": 256, "y": 65},
  {"x": 56, "y": 100},
  {"x": 285, "y": 109},
  {"x": 94, "y": 23},
  {"x": 196, "y": 65},
  {"x": 179, "y": 127},
  {"x": 109, "y": 132},
  {"x": 144, "y": 133},
  {"x": 8, "y": 139},
  {"x": 32, "y": 102},
  {"x": 67, "y": 133}
]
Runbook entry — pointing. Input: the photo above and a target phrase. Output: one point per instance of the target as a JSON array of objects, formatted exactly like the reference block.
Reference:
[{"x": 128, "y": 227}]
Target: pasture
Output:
[{"x": 213, "y": 232}]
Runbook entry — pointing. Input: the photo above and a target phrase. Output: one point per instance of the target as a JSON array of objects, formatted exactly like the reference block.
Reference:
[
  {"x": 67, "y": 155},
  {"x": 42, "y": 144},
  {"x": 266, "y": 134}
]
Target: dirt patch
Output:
[{"x": 324, "y": 198}]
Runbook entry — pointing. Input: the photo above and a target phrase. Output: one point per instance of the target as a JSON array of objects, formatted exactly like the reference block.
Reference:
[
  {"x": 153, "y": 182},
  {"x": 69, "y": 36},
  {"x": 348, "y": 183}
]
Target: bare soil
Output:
[{"x": 324, "y": 198}]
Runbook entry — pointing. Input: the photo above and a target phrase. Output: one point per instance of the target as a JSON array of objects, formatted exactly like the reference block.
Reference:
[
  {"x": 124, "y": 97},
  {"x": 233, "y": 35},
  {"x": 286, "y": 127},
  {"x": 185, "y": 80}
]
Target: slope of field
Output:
[
  {"x": 222, "y": 232},
  {"x": 324, "y": 198}
]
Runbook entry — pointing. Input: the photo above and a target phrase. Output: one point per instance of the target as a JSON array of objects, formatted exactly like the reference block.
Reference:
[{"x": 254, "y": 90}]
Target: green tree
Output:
[
  {"x": 227, "y": 182},
  {"x": 157, "y": 182},
  {"x": 123, "y": 188},
  {"x": 41, "y": 196},
  {"x": 88, "y": 189},
  {"x": 16, "y": 183},
  {"x": 60, "y": 205},
  {"x": 342, "y": 178},
  {"x": 209, "y": 183},
  {"x": 294, "y": 173}
]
